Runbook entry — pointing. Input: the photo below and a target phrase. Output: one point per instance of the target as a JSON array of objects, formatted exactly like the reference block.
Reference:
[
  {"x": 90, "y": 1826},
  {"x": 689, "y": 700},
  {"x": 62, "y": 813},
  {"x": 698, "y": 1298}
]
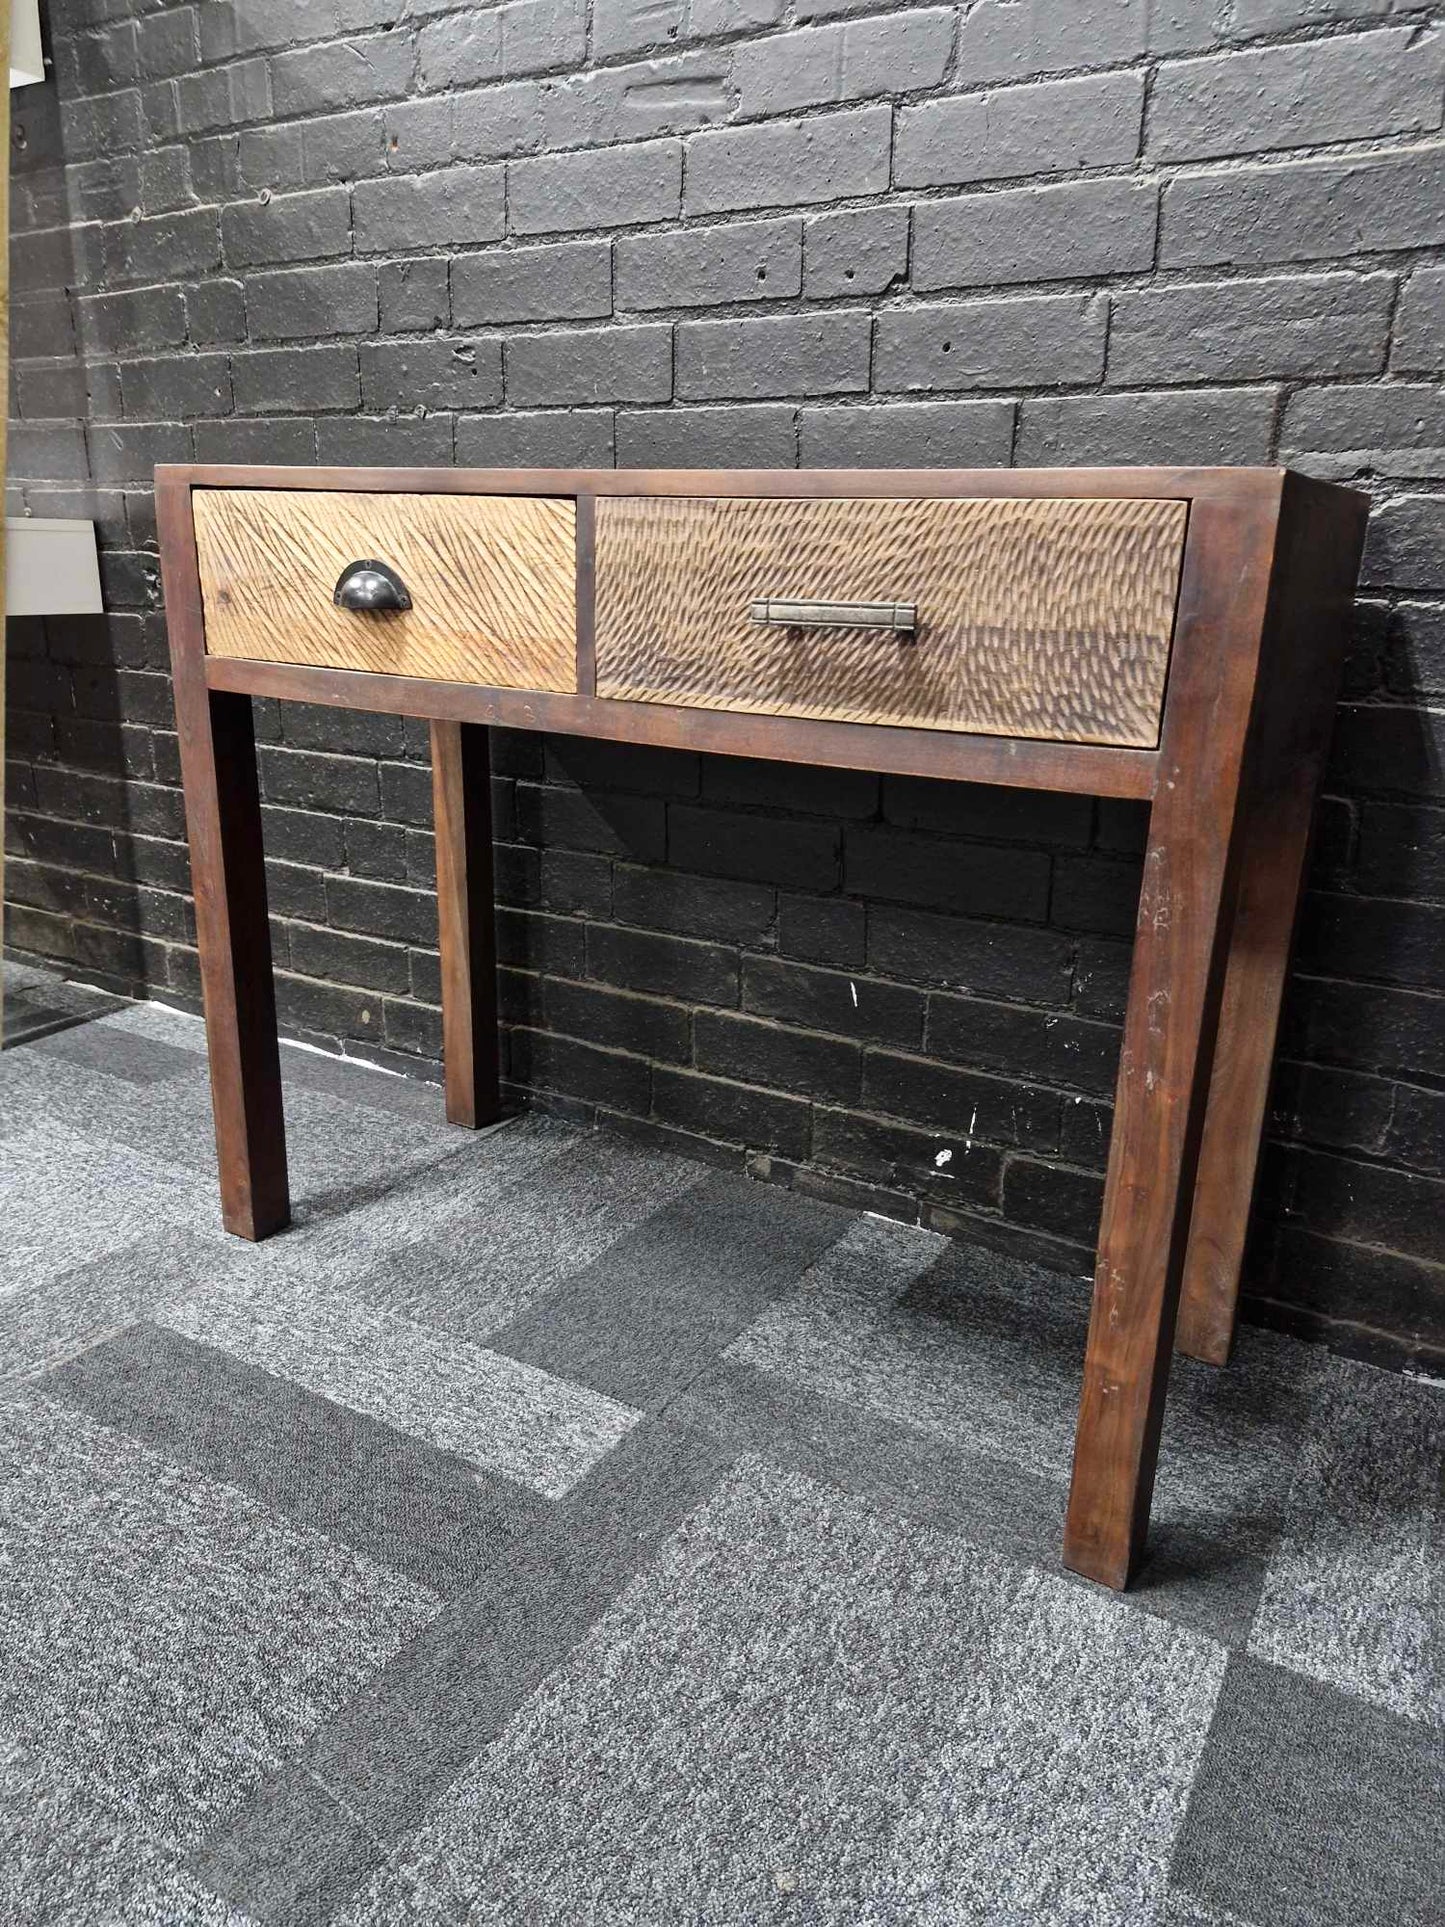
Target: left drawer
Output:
[{"x": 491, "y": 581}]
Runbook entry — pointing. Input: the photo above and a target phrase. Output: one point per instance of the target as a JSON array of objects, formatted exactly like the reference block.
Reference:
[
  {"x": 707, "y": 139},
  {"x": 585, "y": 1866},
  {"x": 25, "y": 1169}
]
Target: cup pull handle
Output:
[
  {"x": 370, "y": 587},
  {"x": 779, "y": 613}
]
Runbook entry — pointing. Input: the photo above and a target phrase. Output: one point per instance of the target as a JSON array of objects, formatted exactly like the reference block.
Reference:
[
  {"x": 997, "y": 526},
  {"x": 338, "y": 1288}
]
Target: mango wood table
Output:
[{"x": 1169, "y": 634}]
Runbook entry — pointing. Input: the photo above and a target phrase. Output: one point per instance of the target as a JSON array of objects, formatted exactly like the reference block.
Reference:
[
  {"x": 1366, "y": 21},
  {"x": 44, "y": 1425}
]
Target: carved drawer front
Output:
[
  {"x": 491, "y": 581},
  {"x": 1043, "y": 618}
]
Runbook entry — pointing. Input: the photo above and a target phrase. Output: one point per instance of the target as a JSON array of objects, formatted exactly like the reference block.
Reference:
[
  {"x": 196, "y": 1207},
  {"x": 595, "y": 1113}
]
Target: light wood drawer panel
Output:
[
  {"x": 492, "y": 578},
  {"x": 1042, "y": 618}
]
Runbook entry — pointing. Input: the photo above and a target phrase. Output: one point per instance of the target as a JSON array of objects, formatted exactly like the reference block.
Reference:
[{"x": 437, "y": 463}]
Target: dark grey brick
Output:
[
  {"x": 569, "y": 281},
  {"x": 555, "y": 438},
  {"x": 760, "y": 436},
  {"x": 1064, "y": 233},
  {"x": 1321, "y": 324},
  {"x": 130, "y": 453},
  {"x": 170, "y": 247},
  {"x": 854, "y": 251},
  {"x": 290, "y": 440},
  {"x": 102, "y": 124},
  {"x": 825, "y": 354},
  {"x": 1051, "y": 128},
  {"x": 1419, "y": 346},
  {"x": 215, "y": 312},
  {"x": 312, "y": 303},
  {"x": 227, "y": 31},
  {"x": 287, "y": 227},
  {"x": 260, "y": 158},
  {"x": 618, "y": 187},
  {"x": 676, "y": 96},
  {"x": 420, "y": 441},
  {"x": 145, "y": 318},
  {"x": 1322, "y": 90},
  {"x": 590, "y": 365},
  {"x": 223, "y": 97},
  {"x": 941, "y": 434},
  {"x": 1205, "y": 426},
  {"x": 499, "y": 43},
  {"x": 452, "y": 208},
  {"x": 852, "y": 60},
  {"x": 414, "y": 295},
  {"x": 345, "y": 73},
  {"x": 1405, "y": 548},
  {"x": 830, "y": 157},
  {"x": 1306, "y": 210},
  {"x": 488, "y": 126},
  {"x": 53, "y": 449},
  {"x": 630, "y": 26},
  {"x": 285, "y": 380},
  {"x": 176, "y": 387},
  {"x": 703, "y": 267},
  {"x": 990, "y": 344},
  {"x": 431, "y": 374},
  {"x": 344, "y": 147},
  {"x": 418, "y": 134},
  {"x": 1369, "y": 419},
  {"x": 1001, "y": 40}
]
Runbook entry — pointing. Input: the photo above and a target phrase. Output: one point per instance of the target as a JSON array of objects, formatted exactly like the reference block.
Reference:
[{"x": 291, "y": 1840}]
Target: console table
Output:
[{"x": 1174, "y": 635}]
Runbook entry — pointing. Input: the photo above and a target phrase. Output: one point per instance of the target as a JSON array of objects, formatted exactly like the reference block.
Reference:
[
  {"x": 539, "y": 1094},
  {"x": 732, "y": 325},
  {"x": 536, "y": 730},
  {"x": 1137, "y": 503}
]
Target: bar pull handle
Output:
[
  {"x": 779, "y": 613},
  {"x": 370, "y": 587}
]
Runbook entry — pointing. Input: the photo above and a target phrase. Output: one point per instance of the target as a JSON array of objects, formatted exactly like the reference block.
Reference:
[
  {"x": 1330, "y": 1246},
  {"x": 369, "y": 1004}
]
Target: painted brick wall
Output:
[{"x": 763, "y": 232}]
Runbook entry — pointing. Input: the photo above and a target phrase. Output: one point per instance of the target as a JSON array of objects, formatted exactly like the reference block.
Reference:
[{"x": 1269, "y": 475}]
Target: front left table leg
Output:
[{"x": 233, "y": 934}]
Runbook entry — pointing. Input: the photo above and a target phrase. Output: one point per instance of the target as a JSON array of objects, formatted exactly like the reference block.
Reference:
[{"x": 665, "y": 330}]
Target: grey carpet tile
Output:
[
  {"x": 1209, "y": 1582},
  {"x": 514, "y": 1236},
  {"x": 64, "y": 1198},
  {"x": 1312, "y": 1809},
  {"x": 453, "y": 1690},
  {"x": 808, "y": 1709},
  {"x": 387, "y": 1496},
  {"x": 515, "y": 1419},
  {"x": 651, "y": 1312},
  {"x": 176, "y": 1640},
  {"x": 66, "y": 1861},
  {"x": 379, "y": 1602},
  {"x": 117, "y": 1052},
  {"x": 986, "y": 1353},
  {"x": 1355, "y": 1593},
  {"x": 67, "y": 1312}
]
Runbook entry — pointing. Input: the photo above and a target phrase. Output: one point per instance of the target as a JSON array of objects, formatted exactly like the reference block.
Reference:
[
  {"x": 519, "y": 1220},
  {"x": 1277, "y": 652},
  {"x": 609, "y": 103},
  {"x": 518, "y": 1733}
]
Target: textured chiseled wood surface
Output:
[
  {"x": 493, "y": 581},
  {"x": 1045, "y": 618}
]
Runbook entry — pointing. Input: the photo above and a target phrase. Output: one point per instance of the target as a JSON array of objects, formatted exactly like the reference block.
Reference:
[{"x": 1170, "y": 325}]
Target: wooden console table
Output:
[{"x": 1169, "y": 634}]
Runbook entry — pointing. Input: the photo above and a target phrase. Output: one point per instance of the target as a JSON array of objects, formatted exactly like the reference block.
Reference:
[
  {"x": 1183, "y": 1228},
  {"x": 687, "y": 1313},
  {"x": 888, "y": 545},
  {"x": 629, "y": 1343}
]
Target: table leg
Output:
[
  {"x": 1276, "y": 840},
  {"x": 466, "y": 927},
  {"x": 1163, "y": 1079},
  {"x": 228, "y": 876}
]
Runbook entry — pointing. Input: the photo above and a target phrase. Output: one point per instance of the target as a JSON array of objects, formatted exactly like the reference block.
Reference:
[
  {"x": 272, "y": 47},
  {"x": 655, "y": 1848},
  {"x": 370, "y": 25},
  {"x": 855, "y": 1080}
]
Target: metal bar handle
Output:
[{"x": 901, "y": 617}]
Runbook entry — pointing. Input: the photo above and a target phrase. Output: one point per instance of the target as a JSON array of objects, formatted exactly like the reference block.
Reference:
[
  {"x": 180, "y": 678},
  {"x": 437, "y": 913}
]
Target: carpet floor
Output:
[{"x": 549, "y": 1530}]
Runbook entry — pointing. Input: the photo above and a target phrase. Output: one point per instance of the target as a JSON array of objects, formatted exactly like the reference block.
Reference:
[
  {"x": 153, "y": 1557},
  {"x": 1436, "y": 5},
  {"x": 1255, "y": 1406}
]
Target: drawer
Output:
[
  {"x": 1041, "y": 618},
  {"x": 492, "y": 581}
]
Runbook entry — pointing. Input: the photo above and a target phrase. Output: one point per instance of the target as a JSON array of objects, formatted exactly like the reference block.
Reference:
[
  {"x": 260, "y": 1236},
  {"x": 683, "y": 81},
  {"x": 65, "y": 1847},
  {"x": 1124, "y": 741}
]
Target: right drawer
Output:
[{"x": 1047, "y": 618}]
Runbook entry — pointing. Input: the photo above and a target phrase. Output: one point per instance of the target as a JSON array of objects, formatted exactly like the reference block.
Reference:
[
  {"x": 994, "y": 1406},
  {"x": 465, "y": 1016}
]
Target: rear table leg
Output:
[{"x": 462, "y": 797}]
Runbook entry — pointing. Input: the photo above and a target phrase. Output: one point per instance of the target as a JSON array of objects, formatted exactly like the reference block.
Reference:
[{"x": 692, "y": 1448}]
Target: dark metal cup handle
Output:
[{"x": 371, "y": 586}]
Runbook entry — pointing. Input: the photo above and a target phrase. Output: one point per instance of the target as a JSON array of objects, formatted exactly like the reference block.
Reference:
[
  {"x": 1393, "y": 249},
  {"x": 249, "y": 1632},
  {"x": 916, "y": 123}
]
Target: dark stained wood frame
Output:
[{"x": 1269, "y": 567}]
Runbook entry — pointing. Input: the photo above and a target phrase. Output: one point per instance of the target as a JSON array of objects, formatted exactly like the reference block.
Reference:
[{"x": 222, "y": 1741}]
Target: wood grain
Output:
[
  {"x": 493, "y": 582},
  {"x": 1180, "y": 945},
  {"x": 1043, "y": 619},
  {"x": 466, "y": 921},
  {"x": 1015, "y": 762},
  {"x": 228, "y": 876},
  {"x": 1321, "y": 536}
]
